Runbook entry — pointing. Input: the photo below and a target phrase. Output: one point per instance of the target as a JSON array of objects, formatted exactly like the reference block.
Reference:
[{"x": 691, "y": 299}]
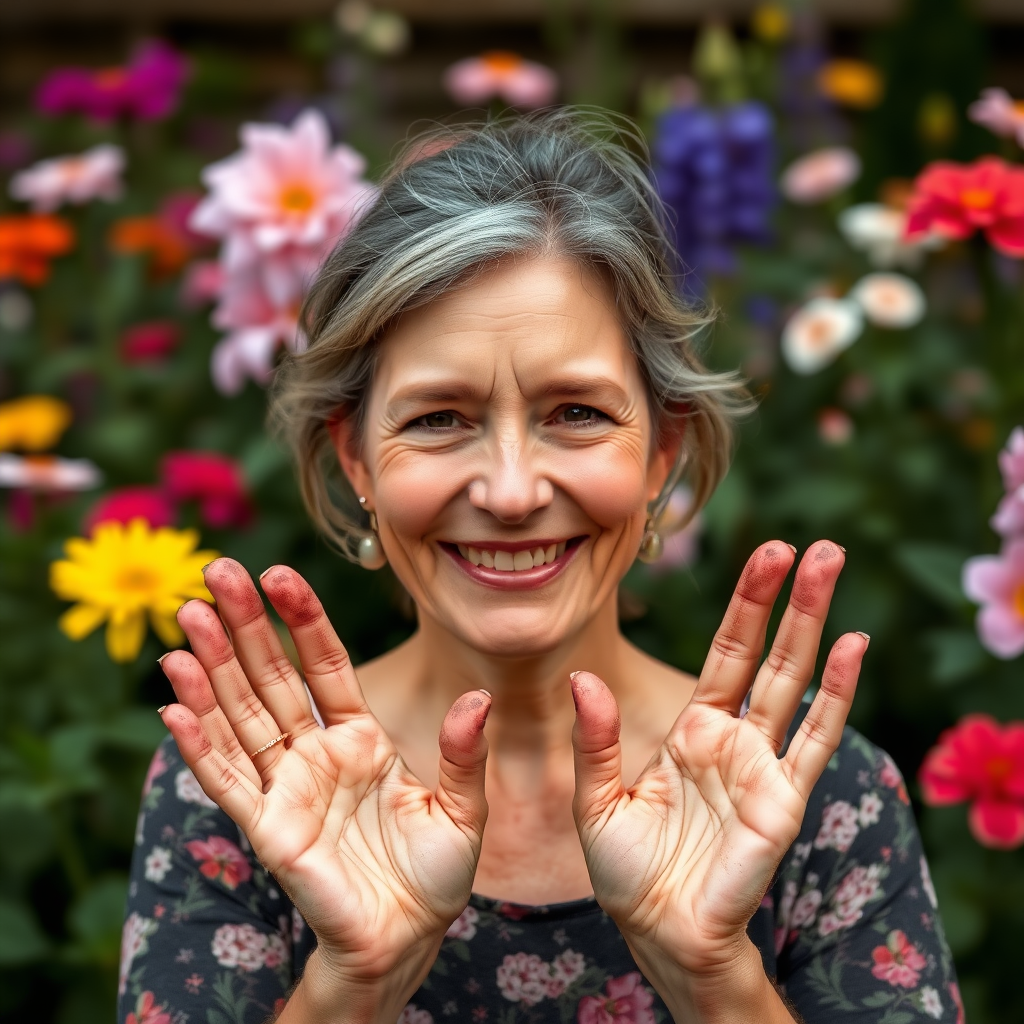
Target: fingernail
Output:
[
  {"x": 867, "y": 639},
  {"x": 180, "y": 606},
  {"x": 573, "y": 675},
  {"x": 161, "y": 710},
  {"x": 841, "y": 548},
  {"x": 265, "y": 571},
  {"x": 487, "y": 692},
  {"x": 207, "y": 566},
  {"x": 159, "y": 660},
  {"x": 792, "y": 547}
]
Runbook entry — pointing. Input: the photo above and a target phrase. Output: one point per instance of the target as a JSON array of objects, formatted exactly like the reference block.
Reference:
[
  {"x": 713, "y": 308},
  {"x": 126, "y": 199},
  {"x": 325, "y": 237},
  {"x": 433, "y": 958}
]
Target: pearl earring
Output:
[
  {"x": 651, "y": 546},
  {"x": 371, "y": 554}
]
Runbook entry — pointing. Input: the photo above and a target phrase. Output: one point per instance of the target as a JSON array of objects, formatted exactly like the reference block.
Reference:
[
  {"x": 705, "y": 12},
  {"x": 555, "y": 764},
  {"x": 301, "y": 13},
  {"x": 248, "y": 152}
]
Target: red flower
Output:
[
  {"x": 627, "y": 1001},
  {"x": 147, "y": 1012},
  {"x": 898, "y": 962},
  {"x": 956, "y": 200},
  {"x": 128, "y": 503},
  {"x": 214, "y": 480},
  {"x": 983, "y": 762},
  {"x": 221, "y": 859},
  {"x": 149, "y": 342}
]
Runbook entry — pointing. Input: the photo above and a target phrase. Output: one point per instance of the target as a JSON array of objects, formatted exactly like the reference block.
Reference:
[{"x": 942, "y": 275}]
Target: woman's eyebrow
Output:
[
  {"x": 600, "y": 388},
  {"x": 429, "y": 392}
]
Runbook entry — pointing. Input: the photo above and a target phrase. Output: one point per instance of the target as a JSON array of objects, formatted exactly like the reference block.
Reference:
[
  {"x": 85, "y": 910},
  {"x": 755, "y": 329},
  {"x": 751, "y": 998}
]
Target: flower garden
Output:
[{"x": 872, "y": 293}]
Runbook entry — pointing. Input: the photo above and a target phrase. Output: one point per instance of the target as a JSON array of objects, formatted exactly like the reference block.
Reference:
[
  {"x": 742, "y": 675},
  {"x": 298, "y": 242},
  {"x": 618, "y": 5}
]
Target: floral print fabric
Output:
[{"x": 849, "y": 928}]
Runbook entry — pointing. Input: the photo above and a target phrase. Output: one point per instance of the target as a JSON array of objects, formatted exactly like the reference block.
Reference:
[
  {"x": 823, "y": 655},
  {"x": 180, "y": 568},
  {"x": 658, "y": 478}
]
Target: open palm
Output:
[
  {"x": 377, "y": 865},
  {"x": 681, "y": 859}
]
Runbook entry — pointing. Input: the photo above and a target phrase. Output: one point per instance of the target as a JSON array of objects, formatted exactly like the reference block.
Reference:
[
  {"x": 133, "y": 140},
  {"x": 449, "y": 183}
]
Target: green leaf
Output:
[
  {"x": 21, "y": 938},
  {"x": 935, "y": 569},
  {"x": 877, "y": 999},
  {"x": 957, "y": 655}
]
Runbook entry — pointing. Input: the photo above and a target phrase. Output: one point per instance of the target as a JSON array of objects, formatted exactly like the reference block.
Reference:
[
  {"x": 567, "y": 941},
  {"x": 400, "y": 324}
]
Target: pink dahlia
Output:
[
  {"x": 214, "y": 480},
  {"x": 148, "y": 87},
  {"x": 1009, "y": 518},
  {"x": 626, "y": 1001},
  {"x": 1011, "y": 460},
  {"x": 996, "y": 582},
  {"x": 286, "y": 189},
  {"x": 94, "y": 174},
  {"x": 981, "y": 761},
  {"x": 128, "y": 503},
  {"x": 520, "y": 82},
  {"x": 955, "y": 200}
]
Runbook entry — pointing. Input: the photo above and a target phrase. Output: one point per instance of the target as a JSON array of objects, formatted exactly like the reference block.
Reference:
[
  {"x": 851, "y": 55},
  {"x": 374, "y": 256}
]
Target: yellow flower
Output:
[
  {"x": 770, "y": 22},
  {"x": 851, "y": 83},
  {"x": 33, "y": 423},
  {"x": 124, "y": 572}
]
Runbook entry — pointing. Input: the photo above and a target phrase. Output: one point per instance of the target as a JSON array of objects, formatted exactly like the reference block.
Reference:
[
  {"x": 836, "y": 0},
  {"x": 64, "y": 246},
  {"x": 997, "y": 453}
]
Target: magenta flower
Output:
[
  {"x": 149, "y": 342},
  {"x": 982, "y": 762},
  {"x": 128, "y": 503},
  {"x": 996, "y": 582},
  {"x": 214, "y": 480},
  {"x": 1011, "y": 460},
  {"x": 520, "y": 82},
  {"x": 148, "y": 87}
]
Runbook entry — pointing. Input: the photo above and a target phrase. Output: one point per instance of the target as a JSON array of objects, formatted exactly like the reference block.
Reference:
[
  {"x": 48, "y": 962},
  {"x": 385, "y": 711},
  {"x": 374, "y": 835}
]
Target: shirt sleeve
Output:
[
  {"x": 857, "y": 931},
  {"x": 207, "y": 934}
]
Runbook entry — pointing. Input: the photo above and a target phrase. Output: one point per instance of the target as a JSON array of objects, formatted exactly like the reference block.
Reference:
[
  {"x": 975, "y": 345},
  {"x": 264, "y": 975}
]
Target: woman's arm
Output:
[{"x": 683, "y": 858}]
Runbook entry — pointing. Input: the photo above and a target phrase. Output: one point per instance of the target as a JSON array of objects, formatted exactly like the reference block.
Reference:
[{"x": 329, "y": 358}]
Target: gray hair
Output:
[{"x": 457, "y": 200}]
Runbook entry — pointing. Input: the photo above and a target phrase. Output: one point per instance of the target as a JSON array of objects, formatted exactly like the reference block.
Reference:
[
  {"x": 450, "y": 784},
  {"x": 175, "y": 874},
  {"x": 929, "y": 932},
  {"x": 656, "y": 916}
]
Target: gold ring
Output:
[{"x": 267, "y": 746}]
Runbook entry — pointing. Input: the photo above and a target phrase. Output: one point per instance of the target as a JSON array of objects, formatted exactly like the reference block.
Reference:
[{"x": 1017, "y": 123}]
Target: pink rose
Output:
[{"x": 626, "y": 1001}]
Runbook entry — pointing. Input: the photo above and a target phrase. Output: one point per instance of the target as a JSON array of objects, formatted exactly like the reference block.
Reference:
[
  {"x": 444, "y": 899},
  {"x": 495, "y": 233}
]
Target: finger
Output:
[
  {"x": 822, "y": 728},
  {"x": 739, "y": 643},
  {"x": 257, "y": 646},
  {"x": 250, "y": 721},
  {"x": 193, "y": 690},
  {"x": 325, "y": 662},
  {"x": 460, "y": 787},
  {"x": 783, "y": 678},
  {"x": 597, "y": 754},
  {"x": 222, "y": 782}
]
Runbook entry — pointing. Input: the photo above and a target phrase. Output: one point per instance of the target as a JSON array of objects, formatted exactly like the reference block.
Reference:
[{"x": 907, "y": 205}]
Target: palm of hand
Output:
[{"x": 682, "y": 859}]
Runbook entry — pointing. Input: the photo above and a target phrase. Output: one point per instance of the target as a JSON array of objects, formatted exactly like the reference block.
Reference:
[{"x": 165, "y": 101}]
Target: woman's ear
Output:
[{"x": 343, "y": 436}]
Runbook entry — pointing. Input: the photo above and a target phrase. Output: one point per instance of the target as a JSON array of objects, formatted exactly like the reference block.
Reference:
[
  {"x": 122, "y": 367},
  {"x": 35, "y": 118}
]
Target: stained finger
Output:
[
  {"x": 221, "y": 780},
  {"x": 783, "y": 678},
  {"x": 251, "y": 722},
  {"x": 597, "y": 753},
  {"x": 325, "y": 662},
  {"x": 257, "y": 646},
  {"x": 460, "y": 787},
  {"x": 822, "y": 728},
  {"x": 193, "y": 690},
  {"x": 739, "y": 643}
]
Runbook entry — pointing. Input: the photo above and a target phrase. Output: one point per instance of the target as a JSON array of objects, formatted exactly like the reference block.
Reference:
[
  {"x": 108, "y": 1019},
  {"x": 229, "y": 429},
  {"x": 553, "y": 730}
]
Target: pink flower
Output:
[
  {"x": 997, "y": 111},
  {"x": 983, "y": 762},
  {"x": 859, "y": 886},
  {"x": 156, "y": 768},
  {"x": 1011, "y": 460},
  {"x": 134, "y": 942},
  {"x": 626, "y": 1001},
  {"x": 464, "y": 926},
  {"x": 412, "y": 1014},
  {"x": 1009, "y": 518},
  {"x": 147, "y": 88},
  {"x": 898, "y": 962},
  {"x": 820, "y": 175},
  {"x": 95, "y": 174},
  {"x": 202, "y": 282},
  {"x": 149, "y": 342},
  {"x": 147, "y": 1011},
  {"x": 522, "y": 978},
  {"x": 834, "y": 426},
  {"x": 500, "y": 74},
  {"x": 955, "y": 200},
  {"x": 49, "y": 473},
  {"x": 214, "y": 480},
  {"x": 239, "y": 945},
  {"x": 220, "y": 860},
  {"x": 839, "y": 827},
  {"x": 286, "y": 189},
  {"x": 128, "y": 503},
  {"x": 954, "y": 994},
  {"x": 996, "y": 582}
]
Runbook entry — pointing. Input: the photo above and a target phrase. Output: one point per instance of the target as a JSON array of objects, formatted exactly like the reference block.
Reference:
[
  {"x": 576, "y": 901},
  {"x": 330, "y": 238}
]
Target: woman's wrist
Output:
[{"x": 730, "y": 987}]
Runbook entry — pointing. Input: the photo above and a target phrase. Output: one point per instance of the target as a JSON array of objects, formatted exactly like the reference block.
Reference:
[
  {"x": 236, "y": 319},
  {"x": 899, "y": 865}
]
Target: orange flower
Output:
[
  {"x": 29, "y": 241},
  {"x": 167, "y": 250},
  {"x": 851, "y": 83}
]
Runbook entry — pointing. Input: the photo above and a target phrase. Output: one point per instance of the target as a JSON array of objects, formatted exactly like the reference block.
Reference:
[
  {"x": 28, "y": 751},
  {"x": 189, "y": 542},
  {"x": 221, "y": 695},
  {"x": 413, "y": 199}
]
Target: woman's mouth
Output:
[{"x": 517, "y": 566}]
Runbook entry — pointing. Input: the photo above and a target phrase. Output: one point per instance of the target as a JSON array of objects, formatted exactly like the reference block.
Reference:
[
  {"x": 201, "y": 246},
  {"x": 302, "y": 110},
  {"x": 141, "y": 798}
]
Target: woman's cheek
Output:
[
  {"x": 413, "y": 488},
  {"x": 608, "y": 481}
]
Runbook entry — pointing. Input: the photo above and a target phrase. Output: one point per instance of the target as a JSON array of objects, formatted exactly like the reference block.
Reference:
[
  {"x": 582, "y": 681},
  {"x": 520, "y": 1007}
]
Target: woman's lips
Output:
[{"x": 518, "y": 579}]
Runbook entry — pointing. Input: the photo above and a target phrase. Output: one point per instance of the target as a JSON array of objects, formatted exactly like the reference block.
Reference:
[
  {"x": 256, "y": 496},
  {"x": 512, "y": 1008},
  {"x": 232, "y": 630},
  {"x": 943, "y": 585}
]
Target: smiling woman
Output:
[{"x": 499, "y": 396}]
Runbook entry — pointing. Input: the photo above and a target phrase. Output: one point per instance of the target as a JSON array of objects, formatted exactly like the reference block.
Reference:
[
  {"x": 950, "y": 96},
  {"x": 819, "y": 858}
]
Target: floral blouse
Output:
[{"x": 849, "y": 929}]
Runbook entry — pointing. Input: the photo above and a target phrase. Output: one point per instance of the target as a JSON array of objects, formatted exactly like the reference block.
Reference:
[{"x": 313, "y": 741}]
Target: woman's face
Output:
[{"x": 509, "y": 454}]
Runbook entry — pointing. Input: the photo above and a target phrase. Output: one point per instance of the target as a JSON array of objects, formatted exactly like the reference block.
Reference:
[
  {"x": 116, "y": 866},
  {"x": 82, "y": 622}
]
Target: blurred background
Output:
[{"x": 846, "y": 186}]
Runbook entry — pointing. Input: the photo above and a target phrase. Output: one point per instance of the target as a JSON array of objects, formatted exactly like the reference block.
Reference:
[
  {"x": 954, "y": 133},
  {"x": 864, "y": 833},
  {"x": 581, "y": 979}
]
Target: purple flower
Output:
[
  {"x": 147, "y": 88},
  {"x": 996, "y": 582},
  {"x": 714, "y": 172}
]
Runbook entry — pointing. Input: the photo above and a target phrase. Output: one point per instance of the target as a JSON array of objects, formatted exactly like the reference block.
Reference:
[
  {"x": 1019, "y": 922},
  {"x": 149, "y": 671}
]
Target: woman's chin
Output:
[{"x": 511, "y": 632}]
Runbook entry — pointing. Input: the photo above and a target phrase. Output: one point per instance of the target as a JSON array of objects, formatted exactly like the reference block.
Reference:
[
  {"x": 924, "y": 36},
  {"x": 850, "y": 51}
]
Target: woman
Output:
[{"x": 503, "y": 373}]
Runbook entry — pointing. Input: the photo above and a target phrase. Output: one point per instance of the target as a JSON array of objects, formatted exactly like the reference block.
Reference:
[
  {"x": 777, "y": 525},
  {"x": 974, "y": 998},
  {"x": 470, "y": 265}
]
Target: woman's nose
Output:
[{"x": 512, "y": 486}]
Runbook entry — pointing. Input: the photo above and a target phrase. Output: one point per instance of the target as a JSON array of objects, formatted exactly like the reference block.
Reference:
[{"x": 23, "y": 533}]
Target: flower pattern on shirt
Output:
[{"x": 849, "y": 928}]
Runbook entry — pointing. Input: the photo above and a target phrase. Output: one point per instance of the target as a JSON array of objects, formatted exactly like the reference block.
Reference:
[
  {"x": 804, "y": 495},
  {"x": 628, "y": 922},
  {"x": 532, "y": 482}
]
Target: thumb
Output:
[
  {"x": 460, "y": 786},
  {"x": 596, "y": 751}
]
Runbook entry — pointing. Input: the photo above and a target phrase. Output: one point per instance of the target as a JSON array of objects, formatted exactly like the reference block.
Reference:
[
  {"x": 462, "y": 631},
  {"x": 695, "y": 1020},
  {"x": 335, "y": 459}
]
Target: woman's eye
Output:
[
  {"x": 575, "y": 414},
  {"x": 436, "y": 421}
]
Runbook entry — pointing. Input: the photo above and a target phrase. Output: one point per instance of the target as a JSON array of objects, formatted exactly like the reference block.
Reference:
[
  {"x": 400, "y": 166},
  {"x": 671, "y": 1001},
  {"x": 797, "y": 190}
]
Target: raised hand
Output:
[
  {"x": 682, "y": 859},
  {"x": 377, "y": 865}
]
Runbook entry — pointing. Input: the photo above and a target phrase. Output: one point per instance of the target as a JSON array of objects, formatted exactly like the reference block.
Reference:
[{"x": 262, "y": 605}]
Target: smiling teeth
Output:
[{"x": 508, "y": 561}]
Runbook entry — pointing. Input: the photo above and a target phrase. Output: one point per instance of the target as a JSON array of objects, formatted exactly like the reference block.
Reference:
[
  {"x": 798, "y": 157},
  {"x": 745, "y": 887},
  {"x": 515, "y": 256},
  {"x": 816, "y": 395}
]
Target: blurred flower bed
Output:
[{"x": 147, "y": 287}]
